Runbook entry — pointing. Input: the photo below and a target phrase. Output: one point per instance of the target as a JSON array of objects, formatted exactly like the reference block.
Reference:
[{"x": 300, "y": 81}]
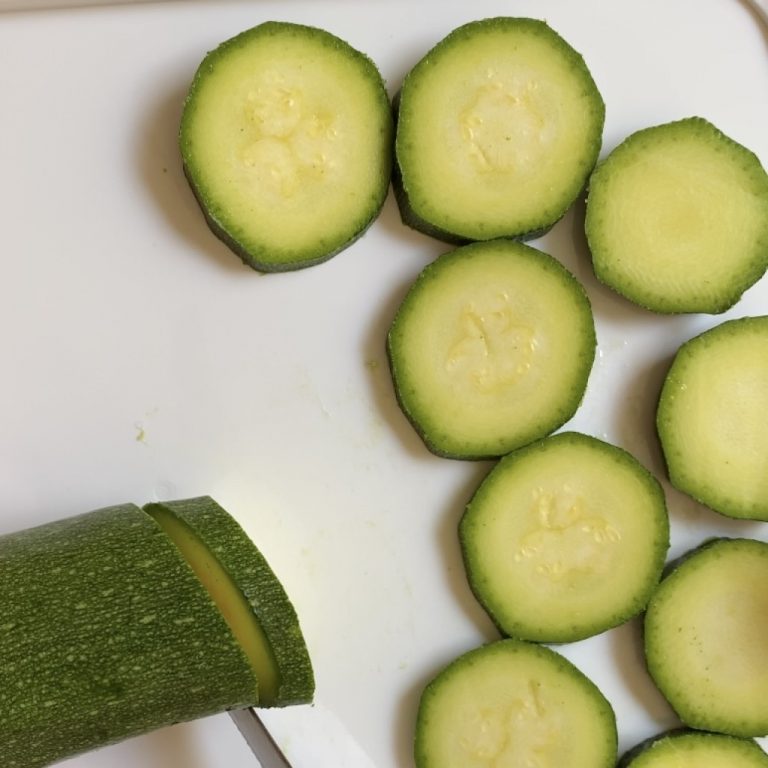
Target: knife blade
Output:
[{"x": 258, "y": 738}]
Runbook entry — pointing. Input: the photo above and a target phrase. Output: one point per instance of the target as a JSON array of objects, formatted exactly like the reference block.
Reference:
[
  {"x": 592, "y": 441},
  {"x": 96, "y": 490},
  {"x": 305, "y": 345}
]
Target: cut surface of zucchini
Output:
[
  {"x": 248, "y": 593},
  {"x": 695, "y": 749},
  {"x": 511, "y": 703},
  {"x": 564, "y": 539},
  {"x": 677, "y": 218},
  {"x": 498, "y": 127},
  {"x": 491, "y": 349},
  {"x": 712, "y": 417},
  {"x": 705, "y": 634},
  {"x": 286, "y": 138}
]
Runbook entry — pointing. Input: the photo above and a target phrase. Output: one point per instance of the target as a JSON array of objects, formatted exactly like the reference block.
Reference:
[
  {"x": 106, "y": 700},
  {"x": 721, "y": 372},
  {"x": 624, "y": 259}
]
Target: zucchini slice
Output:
[
  {"x": 248, "y": 589},
  {"x": 511, "y": 703},
  {"x": 498, "y": 128},
  {"x": 695, "y": 749},
  {"x": 107, "y": 632},
  {"x": 705, "y": 637},
  {"x": 491, "y": 349},
  {"x": 564, "y": 539},
  {"x": 677, "y": 218},
  {"x": 712, "y": 416},
  {"x": 286, "y": 139}
]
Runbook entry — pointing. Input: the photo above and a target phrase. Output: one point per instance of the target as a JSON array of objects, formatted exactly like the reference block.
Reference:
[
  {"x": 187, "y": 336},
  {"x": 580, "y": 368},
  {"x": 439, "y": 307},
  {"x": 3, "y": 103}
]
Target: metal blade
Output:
[{"x": 258, "y": 738}]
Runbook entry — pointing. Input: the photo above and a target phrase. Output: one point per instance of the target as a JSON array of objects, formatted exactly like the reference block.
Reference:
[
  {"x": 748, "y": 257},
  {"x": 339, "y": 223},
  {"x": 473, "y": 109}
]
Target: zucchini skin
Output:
[
  {"x": 238, "y": 555},
  {"x": 105, "y": 633}
]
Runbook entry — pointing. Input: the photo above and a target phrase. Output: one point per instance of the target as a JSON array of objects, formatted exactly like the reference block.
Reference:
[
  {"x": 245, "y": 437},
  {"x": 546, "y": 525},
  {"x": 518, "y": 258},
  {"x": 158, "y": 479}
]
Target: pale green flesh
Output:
[
  {"x": 712, "y": 415},
  {"x": 228, "y": 598},
  {"x": 677, "y": 218},
  {"x": 498, "y": 128},
  {"x": 491, "y": 349},
  {"x": 512, "y": 704},
  {"x": 286, "y": 139},
  {"x": 565, "y": 539},
  {"x": 705, "y": 635},
  {"x": 700, "y": 750}
]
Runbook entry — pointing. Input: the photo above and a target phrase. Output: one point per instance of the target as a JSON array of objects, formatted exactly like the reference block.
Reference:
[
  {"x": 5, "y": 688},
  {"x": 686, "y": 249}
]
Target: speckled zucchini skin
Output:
[{"x": 106, "y": 633}]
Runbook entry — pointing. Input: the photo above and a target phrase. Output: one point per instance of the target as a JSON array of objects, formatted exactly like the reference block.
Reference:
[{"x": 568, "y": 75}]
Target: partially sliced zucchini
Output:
[
  {"x": 514, "y": 704},
  {"x": 677, "y": 218},
  {"x": 106, "y": 632},
  {"x": 695, "y": 749},
  {"x": 245, "y": 588},
  {"x": 712, "y": 417},
  {"x": 491, "y": 349},
  {"x": 705, "y": 637},
  {"x": 286, "y": 139},
  {"x": 498, "y": 128},
  {"x": 564, "y": 539}
]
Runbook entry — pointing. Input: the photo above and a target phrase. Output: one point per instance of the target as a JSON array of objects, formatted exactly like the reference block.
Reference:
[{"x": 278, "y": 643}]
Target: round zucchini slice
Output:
[
  {"x": 498, "y": 128},
  {"x": 695, "y": 749},
  {"x": 705, "y": 633},
  {"x": 286, "y": 139},
  {"x": 491, "y": 349},
  {"x": 564, "y": 539},
  {"x": 712, "y": 417},
  {"x": 677, "y": 218},
  {"x": 511, "y": 703}
]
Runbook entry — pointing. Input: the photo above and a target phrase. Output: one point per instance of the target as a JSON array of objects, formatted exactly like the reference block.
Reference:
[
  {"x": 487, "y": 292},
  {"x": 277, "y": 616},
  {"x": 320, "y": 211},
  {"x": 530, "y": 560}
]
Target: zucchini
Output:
[
  {"x": 286, "y": 139},
  {"x": 511, "y": 703},
  {"x": 564, "y": 539},
  {"x": 106, "y": 632},
  {"x": 677, "y": 218},
  {"x": 705, "y": 633},
  {"x": 711, "y": 418},
  {"x": 498, "y": 128},
  {"x": 491, "y": 349},
  {"x": 283, "y": 665},
  {"x": 695, "y": 749}
]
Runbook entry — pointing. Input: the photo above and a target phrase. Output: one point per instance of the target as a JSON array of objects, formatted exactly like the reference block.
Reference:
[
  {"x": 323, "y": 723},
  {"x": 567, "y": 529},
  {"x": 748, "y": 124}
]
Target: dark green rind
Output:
[
  {"x": 603, "y": 709},
  {"x": 411, "y": 219},
  {"x": 439, "y": 444},
  {"x": 746, "y": 752},
  {"x": 105, "y": 633},
  {"x": 241, "y": 559},
  {"x": 708, "y": 495},
  {"x": 688, "y": 712},
  {"x": 730, "y": 295},
  {"x": 257, "y": 256},
  {"x": 256, "y": 261},
  {"x": 408, "y": 204},
  {"x": 569, "y": 632}
]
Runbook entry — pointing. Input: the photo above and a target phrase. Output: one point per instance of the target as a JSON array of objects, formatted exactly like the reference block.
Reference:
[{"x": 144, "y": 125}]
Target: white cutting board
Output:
[{"x": 141, "y": 360}]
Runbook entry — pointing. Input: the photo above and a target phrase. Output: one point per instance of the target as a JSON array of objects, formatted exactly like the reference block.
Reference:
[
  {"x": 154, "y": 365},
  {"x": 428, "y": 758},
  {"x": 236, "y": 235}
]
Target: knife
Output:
[{"x": 258, "y": 738}]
